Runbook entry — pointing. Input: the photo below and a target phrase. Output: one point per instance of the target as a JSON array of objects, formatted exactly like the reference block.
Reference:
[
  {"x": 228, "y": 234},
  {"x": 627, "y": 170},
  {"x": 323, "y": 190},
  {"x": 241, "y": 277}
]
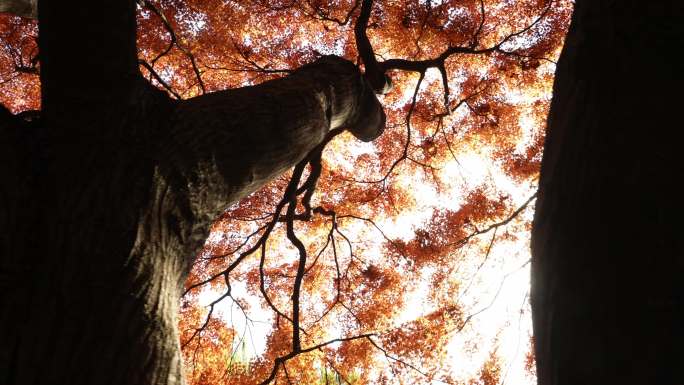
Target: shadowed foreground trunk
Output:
[
  {"x": 105, "y": 201},
  {"x": 608, "y": 240}
]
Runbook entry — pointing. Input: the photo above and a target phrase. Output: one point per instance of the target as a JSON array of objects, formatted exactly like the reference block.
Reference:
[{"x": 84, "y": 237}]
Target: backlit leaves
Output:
[{"x": 410, "y": 241}]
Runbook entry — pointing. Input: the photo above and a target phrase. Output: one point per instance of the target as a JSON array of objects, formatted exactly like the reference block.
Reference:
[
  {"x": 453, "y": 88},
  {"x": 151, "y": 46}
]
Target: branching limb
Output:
[
  {"x": 394, "y": 358},
  {"x": 253, "y": 65},
  {"x": 207, "y": 319},
  {"x": 437, "y": 62},
  {"x": 283, "y": 359},
  {"x": 476, "y": 36},
  {"x": 158, "y": 78},
  {"x": 174, "y": 41},
  {"x": 375, "y": 74},
  {"x": 496, "y": 295},
  {"x": 301, "y": 268},
  {"x": 407, "y": 141},
  {"x": 496, "y": 225},
  {"x": 321, "y": 14}
]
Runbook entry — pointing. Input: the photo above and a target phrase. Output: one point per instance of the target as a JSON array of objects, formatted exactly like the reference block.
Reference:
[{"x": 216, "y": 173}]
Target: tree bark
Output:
[
  {"x": 23, "y": 8},
  {"x": 607, "y": 240},
  {"x": 106, "y": 199}
]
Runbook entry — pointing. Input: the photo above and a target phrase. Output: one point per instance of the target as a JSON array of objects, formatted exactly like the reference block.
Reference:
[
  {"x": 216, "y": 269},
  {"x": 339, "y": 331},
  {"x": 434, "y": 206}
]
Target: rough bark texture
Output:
[
  {"x": 608, "y": 240},
  {"x": 105, "y": 201},
  {"x": 24, "y": 8}
]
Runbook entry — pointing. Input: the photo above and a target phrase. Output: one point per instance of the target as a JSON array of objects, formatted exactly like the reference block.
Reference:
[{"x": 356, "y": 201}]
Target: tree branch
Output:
[
  {"x": 439, "y": 61},
  {"x": 175, "y": 41},
  {"x": 496, "y": 225},
  {"x": 374, "y": 73},
  {"x": 158, "y": 78}
]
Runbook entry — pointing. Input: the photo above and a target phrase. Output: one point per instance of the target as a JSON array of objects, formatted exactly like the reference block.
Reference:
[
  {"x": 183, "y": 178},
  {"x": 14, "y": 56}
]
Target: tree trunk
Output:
[
  {"x": 607, "y": 241},
  {"x": 105, "y": 201}
]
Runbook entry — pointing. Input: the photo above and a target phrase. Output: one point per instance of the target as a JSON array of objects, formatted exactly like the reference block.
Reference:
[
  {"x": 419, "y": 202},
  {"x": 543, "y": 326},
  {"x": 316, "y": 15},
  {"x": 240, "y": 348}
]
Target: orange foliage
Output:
[
  {"x": 402, "y": 227},
  {"x": 490, "y": 373}
]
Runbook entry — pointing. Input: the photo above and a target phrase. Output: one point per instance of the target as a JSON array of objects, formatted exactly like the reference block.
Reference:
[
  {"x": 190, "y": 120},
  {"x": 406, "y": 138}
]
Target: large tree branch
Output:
[{"x": 225, "y": 145}]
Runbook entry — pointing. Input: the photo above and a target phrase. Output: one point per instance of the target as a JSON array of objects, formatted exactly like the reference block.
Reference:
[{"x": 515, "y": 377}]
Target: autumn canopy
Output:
[{"x": 400, "y": 260}]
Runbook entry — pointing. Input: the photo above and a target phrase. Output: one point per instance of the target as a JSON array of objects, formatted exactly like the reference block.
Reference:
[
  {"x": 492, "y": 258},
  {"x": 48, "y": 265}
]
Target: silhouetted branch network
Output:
[
  {"x": 302, "y": 185},
  {"x": 174, "y": 42}
]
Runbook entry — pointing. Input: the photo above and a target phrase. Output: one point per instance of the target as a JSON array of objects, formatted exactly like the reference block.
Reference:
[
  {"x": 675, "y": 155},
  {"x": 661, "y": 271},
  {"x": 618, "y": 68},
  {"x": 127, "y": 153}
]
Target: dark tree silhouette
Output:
[
  {"x": 608, "y": 256},
  {"x": 108, "y": 192},
  {"x": 106, "y": 197}
]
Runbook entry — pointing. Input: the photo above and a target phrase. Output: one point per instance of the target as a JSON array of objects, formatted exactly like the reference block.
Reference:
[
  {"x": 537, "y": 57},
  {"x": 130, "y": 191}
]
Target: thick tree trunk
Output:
[
  {"x": 106, "y": 200},
  {"x": 608, "y": 241}
]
